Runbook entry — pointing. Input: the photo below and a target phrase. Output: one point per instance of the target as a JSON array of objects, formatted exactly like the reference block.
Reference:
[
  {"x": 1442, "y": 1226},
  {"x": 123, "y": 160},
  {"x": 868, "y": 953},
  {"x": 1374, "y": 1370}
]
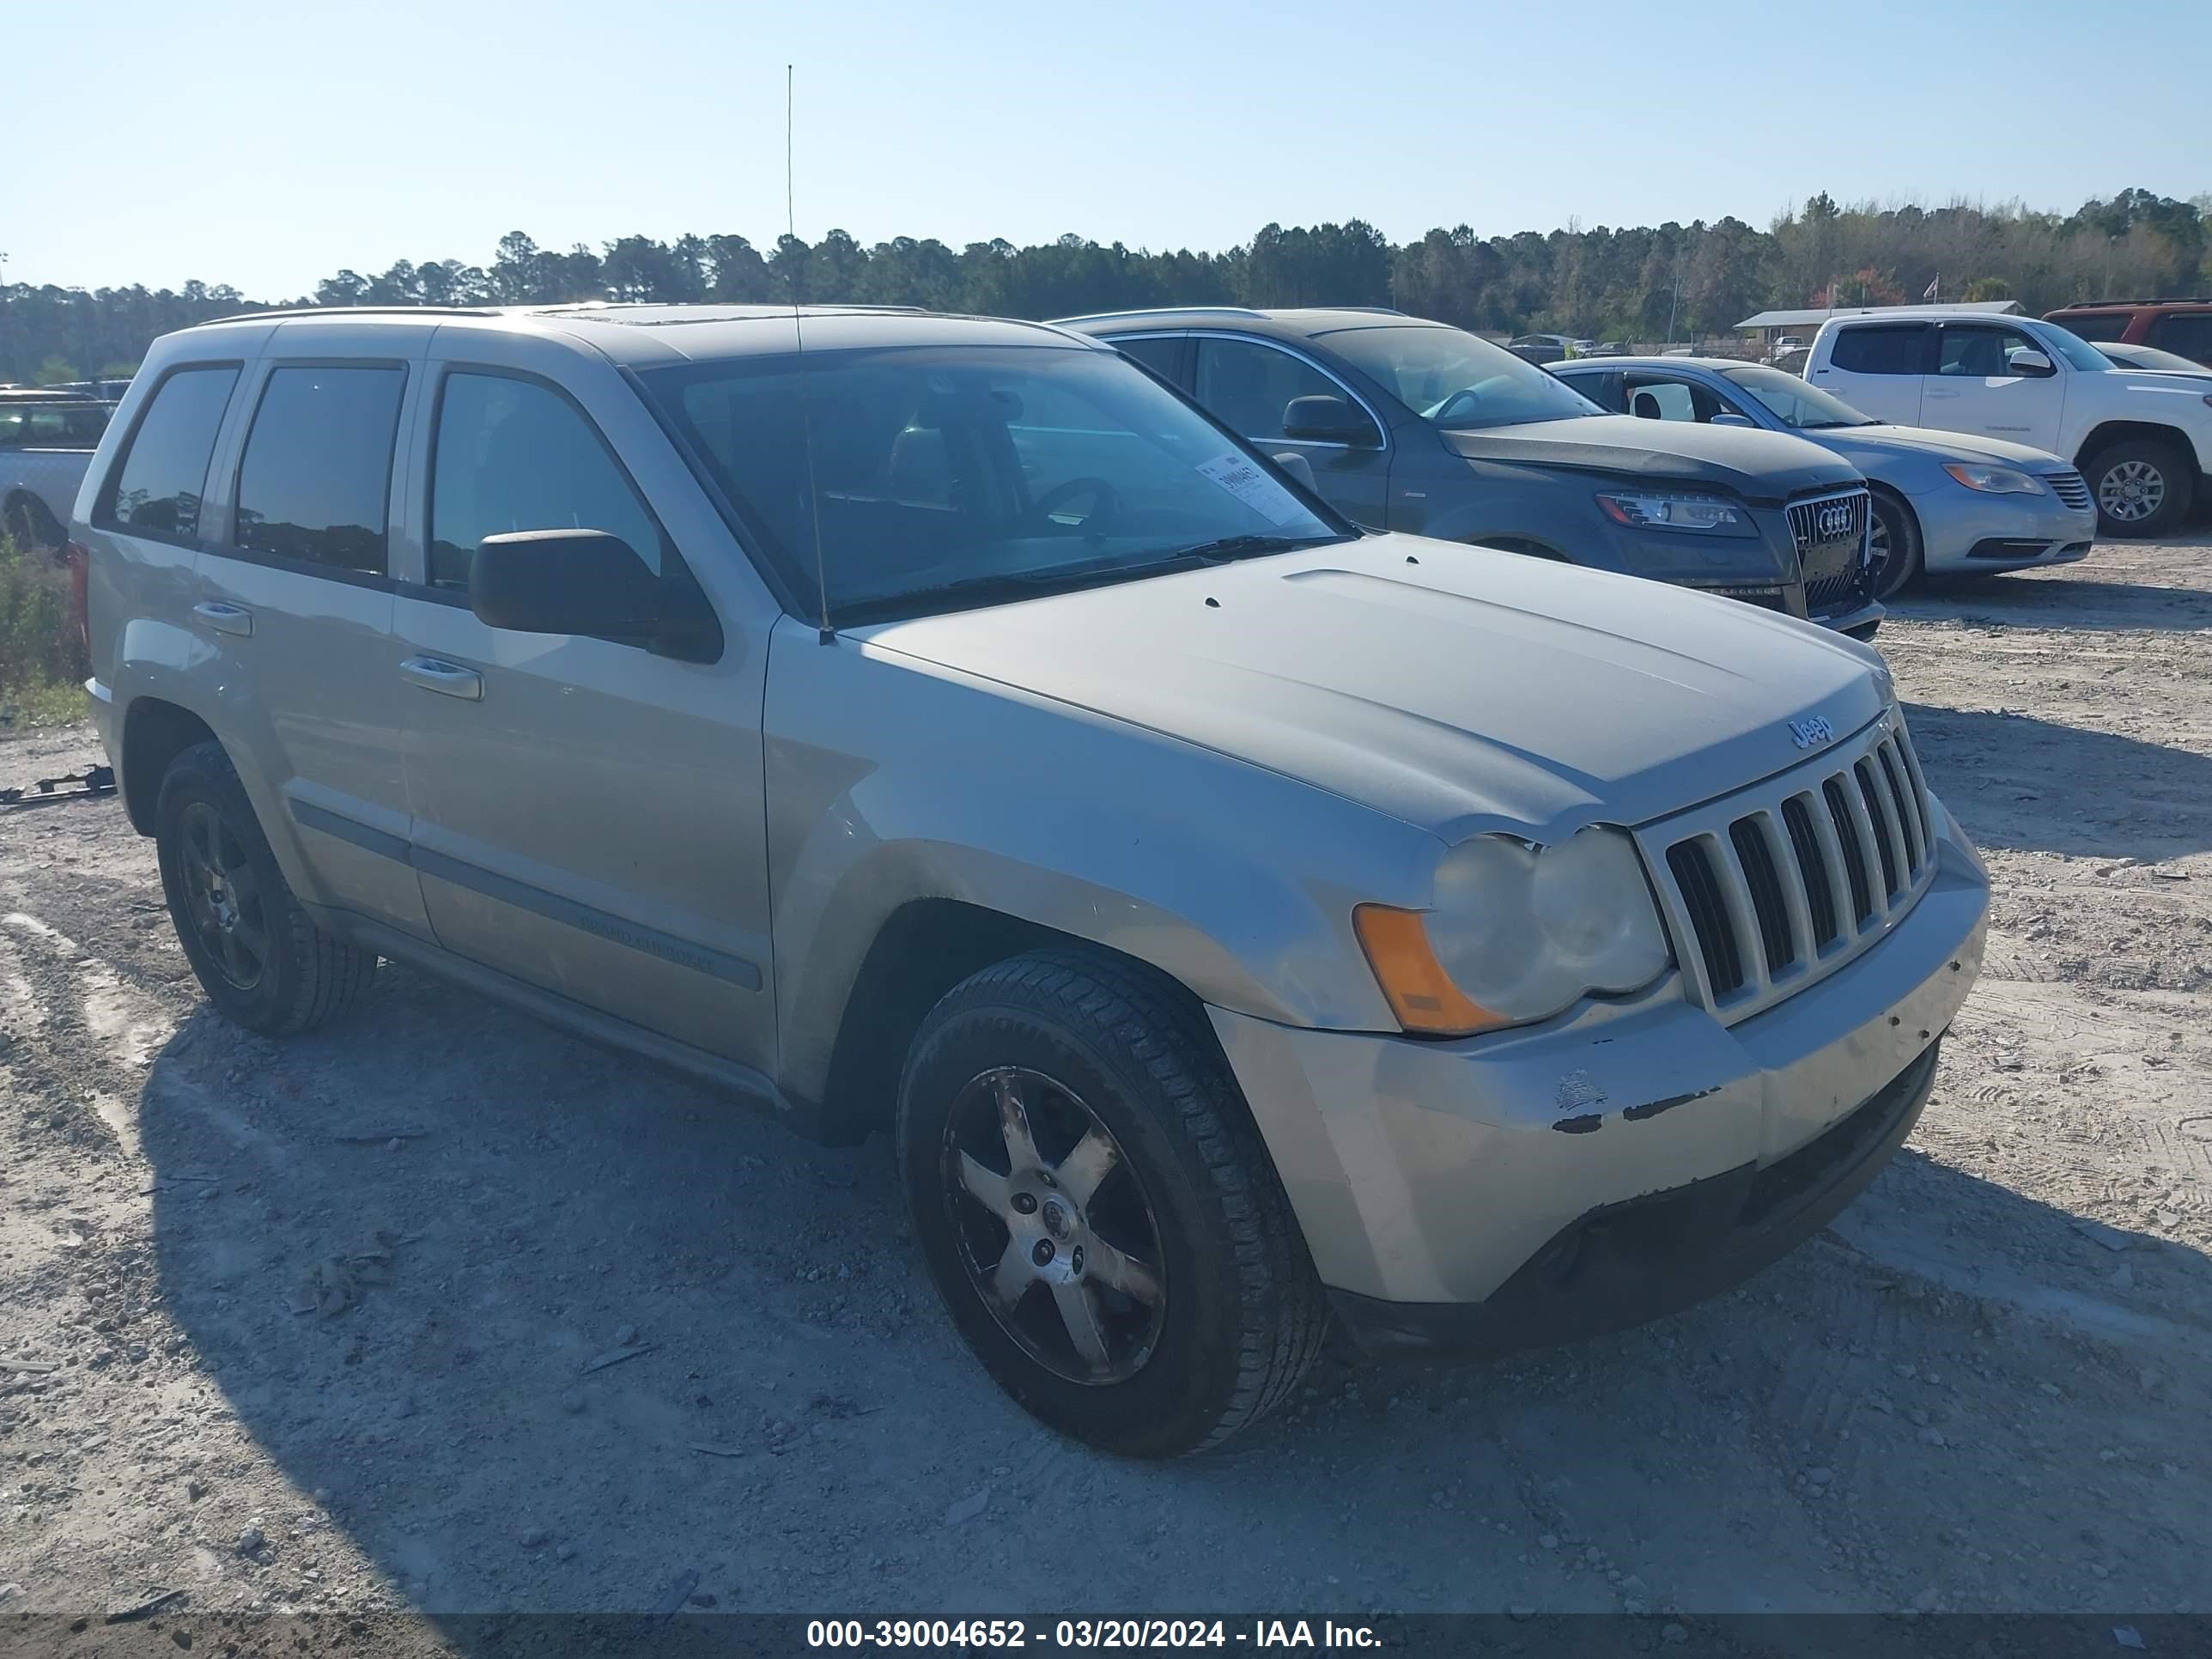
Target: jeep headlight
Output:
[{"x": 1517, "y": 933}]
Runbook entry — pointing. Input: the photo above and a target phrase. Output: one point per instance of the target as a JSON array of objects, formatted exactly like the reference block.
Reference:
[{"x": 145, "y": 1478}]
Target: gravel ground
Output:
[{"x": 1984, "y": 1388}]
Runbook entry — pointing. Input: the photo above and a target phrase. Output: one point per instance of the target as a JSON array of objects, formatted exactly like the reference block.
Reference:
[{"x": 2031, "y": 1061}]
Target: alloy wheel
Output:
[
  {"x": 223, "y": 897},
  {"x": 1058, "y": 1238},
  {"x": 2132, "y": 491}
]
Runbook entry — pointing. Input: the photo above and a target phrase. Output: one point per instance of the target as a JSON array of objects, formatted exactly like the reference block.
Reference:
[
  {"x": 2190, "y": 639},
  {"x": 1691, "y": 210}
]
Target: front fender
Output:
[{"x": 890, "y": 780}]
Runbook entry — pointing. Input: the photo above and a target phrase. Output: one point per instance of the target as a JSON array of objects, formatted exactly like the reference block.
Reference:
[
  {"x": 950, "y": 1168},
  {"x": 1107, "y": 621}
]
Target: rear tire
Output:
[
  {"x": 1205, "y": 1312},
  {"x": 258, "y": 957},
  {"x": 2143, "y": 488},
  {"x": 1896, "y": 552}
]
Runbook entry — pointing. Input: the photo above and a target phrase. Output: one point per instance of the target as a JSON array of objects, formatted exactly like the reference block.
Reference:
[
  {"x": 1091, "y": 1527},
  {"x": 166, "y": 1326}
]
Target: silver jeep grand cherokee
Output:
[{"x": 1237, "y": 920}]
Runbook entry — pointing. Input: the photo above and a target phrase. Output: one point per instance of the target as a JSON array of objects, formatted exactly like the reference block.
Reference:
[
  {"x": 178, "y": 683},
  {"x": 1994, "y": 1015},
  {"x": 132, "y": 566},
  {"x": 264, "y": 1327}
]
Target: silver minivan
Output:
[{"x": 938, "y": 725}]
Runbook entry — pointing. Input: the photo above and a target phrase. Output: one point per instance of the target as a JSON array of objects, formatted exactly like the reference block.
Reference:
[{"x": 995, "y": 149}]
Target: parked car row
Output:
[
  {"x": 1243, "y": 921},
  {"x": 1943, "y": 503},
  {"x": 1409, "y": 425},
  {"x": 2144, "y": 440}
]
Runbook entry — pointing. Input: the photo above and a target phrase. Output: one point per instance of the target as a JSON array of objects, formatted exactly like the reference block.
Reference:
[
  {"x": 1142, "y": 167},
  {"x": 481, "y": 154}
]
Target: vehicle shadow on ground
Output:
[
  {"x": 2028, "y": 784},
  {"x": 540, "y": 1327},
  {"x": 2056, "y": 598}
]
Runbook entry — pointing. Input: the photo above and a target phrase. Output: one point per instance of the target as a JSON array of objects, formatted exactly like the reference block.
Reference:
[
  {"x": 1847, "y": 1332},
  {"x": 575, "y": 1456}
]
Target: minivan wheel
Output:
[
  {"x": 2144, "y": 487},
  {"x": 257, "y": 956},
  {"x": 1893, "y": 554},
  {"x": 1098, "y": 1209}
]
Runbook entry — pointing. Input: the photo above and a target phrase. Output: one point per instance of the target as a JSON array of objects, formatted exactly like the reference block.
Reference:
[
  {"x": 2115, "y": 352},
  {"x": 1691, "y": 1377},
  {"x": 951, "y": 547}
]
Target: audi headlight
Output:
[
  {"x": 1708, "y": 514},
  {"x": 1516, "y": 934},
  {"x": 1994, "y": 480}
]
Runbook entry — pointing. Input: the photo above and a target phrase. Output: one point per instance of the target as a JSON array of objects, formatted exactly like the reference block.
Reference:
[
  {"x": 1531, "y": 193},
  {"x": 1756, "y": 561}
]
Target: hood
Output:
[
  {"x": 1458, "y": 689},
  {"x": 1850, "y": 441},
  {"x": 1763, "y": 467}
]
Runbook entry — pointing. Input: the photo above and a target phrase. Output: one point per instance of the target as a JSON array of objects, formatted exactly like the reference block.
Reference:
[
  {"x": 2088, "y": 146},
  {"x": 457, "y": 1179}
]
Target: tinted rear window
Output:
[
  {"x": 1882, "y": 349},
  {"x": 317, "y": 468},
  {"x": 156, "y": 486},
  {"x": 2188, "y": 333},
  {"x": 2095, "y": 325}
]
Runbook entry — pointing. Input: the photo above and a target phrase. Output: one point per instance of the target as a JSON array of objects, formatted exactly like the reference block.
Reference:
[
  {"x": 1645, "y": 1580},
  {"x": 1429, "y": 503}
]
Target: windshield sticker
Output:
[{"x": 1253, "y": 488}]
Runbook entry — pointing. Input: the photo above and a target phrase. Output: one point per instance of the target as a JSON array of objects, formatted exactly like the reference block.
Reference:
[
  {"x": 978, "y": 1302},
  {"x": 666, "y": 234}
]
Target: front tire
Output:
[
  {"x": 2143, "y": 488},
  {"x": 1895, "y": 558},
  {"x": 258, "y": 957},
  {"x": 1098, "y": 1209}
]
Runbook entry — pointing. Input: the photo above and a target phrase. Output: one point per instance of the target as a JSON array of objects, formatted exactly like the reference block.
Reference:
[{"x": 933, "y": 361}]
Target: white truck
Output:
[
  {"x": 47, "y": 441},
  {"x": 2144, "y": 440}
]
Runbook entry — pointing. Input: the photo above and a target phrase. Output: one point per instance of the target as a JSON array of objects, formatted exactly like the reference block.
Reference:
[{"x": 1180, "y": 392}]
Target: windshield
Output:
[
  {"x": 2075, "y": 349},
  {"x": 1454, "y": 381},
  {"x": 1794, "y": 402},
  {"x": 943, "y": 476}
]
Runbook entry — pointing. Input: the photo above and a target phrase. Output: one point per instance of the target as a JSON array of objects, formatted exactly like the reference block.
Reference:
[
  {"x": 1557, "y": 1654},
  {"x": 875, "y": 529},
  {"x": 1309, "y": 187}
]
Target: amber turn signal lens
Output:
[{"x": 1419, "y": 992}]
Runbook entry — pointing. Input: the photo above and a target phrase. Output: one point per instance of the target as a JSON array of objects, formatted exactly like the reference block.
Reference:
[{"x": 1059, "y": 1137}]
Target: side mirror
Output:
[
  {"x": 1730, "y": 417},
  {"x": 565, "y": 582},
  {"x": 2031, "y": 365},
  {"x": 1327, "y": 419},
  {"x": 1298, "y": 467}
]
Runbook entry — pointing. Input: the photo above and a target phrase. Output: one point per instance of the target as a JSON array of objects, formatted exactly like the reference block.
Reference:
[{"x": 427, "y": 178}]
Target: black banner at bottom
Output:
[{"x": 164, "y": 1628}]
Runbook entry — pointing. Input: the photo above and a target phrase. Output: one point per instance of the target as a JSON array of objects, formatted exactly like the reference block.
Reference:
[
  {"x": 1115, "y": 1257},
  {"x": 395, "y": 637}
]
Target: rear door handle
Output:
[
  {"x": 1935, "y": 391},
  {"x": 448, "y": 679},
  {"x": 225, "y": 618}
]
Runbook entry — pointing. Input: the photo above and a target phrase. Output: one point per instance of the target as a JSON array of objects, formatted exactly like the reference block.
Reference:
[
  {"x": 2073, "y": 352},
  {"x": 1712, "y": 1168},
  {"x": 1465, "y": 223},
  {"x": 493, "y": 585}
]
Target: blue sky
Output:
[{"x": 268, "y": 146}]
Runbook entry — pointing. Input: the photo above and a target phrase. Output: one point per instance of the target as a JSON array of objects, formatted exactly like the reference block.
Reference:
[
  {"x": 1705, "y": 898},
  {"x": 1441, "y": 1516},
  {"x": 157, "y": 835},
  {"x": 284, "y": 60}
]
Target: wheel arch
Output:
[
  {"x": 154, "y": 732},
  {"x": 2107, "y": 434},
  {"x": 26, "y": 504},
  {"x": 922, "y": 951}
]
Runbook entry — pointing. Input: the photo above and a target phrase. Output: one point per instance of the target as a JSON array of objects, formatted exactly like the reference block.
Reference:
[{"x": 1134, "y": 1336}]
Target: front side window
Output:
[
  {"x": 1881, "y": 349},
  {"x": 1247, "y": 386},
  {"x": 932, "y": 477},
  {"x": 316, "y": 479},
  {"x": 1980, "y": 354},
  {"x": 515, "y": 455},
  {"x": 1453, "y": 379},
  {"x": 157, "y": 482},
  {"x": 1794, "y": 401}
]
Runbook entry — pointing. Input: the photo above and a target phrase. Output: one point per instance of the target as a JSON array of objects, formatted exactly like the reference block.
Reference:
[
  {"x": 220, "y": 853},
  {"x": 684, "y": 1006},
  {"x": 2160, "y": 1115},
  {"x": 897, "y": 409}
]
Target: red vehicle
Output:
[{"x": 2181, "y": 326}]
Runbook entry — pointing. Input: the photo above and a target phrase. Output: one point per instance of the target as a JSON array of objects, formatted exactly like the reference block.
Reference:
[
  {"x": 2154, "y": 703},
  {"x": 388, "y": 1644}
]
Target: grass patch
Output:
[{"x": 42, "y": 657}]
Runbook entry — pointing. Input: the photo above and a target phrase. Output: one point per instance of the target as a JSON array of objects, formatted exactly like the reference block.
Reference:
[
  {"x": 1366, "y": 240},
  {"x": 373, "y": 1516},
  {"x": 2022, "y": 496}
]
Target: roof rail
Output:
[
  {"x": 276, "y": 311},
  {"x": 2171, "y": 300},
  {"x": 1374, "y": 311},
  {"x": 1160, "y": 311}
]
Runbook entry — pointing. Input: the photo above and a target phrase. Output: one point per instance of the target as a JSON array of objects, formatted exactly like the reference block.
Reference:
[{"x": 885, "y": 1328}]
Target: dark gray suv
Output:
[{"x": 1415, "y": 425}]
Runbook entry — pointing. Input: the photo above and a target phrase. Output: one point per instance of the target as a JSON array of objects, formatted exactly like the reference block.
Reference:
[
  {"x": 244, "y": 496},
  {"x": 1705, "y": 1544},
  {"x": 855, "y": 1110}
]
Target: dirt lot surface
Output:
[{"x": 1985, "y": 1389}]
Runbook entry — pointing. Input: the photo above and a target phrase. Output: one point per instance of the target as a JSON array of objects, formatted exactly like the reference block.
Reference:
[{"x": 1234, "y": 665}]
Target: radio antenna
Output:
[{"x": 798, "y": 342}]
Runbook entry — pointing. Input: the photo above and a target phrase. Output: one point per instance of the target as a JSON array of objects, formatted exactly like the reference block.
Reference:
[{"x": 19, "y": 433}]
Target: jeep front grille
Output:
[{"x": 1769, "y": 889}]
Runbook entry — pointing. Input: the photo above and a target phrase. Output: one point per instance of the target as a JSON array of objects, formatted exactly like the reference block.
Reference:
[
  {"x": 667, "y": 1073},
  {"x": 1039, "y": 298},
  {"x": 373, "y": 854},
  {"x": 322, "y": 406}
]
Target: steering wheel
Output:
[{"x": 1104, "y": 504}]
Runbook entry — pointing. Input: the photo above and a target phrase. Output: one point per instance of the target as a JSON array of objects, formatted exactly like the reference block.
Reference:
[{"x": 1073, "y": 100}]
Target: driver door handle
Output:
[{"x": 448, "y": 679}]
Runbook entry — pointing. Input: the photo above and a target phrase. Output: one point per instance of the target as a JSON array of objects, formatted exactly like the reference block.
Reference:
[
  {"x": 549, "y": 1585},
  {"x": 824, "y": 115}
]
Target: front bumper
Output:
[
  {"x": 1962, "y": 530},
  {"x": 1501, "y": 1191}
]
